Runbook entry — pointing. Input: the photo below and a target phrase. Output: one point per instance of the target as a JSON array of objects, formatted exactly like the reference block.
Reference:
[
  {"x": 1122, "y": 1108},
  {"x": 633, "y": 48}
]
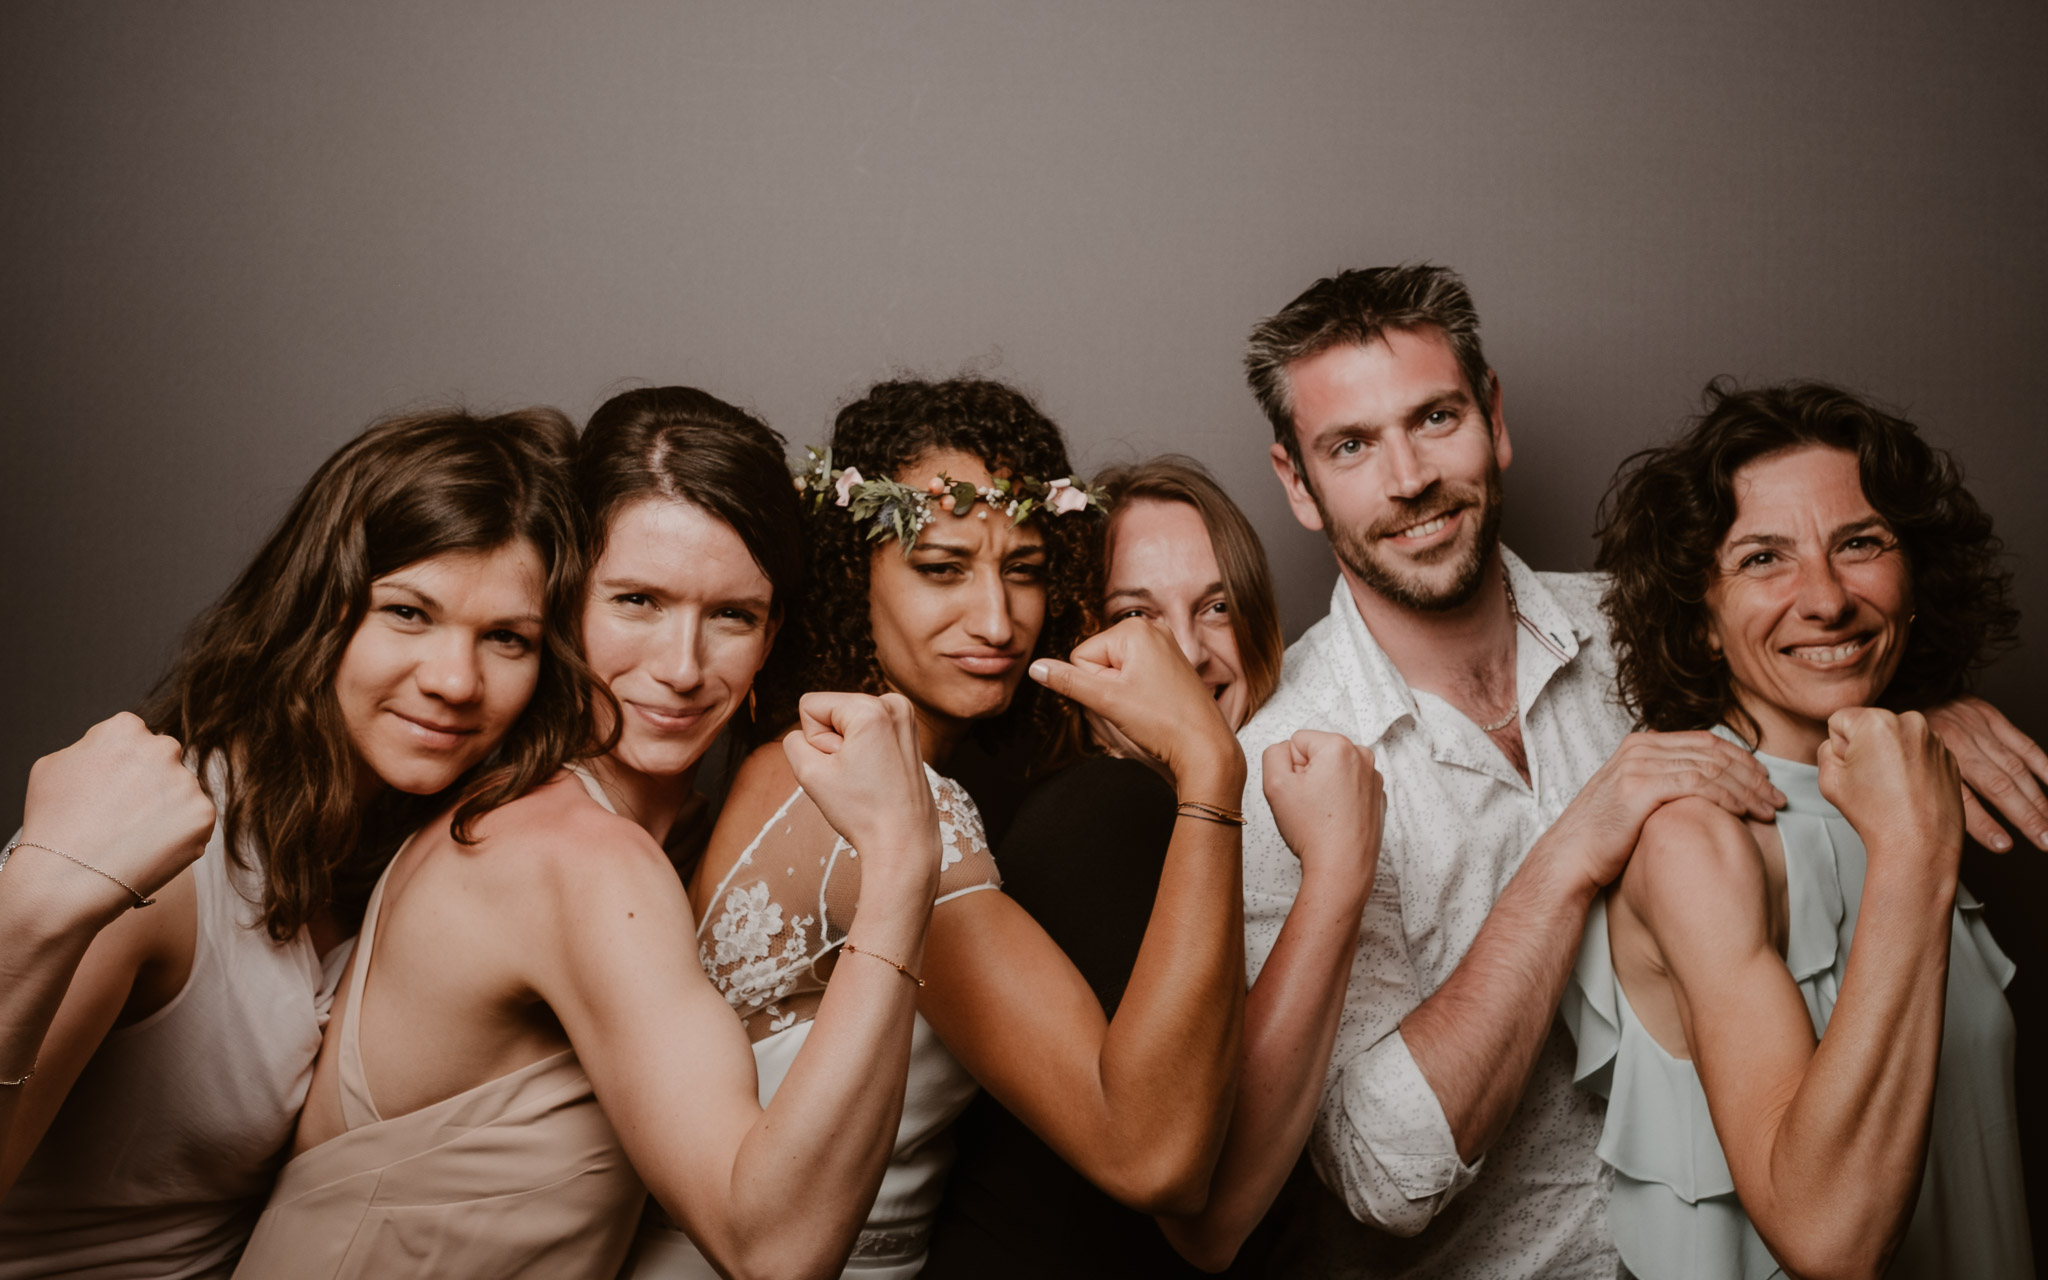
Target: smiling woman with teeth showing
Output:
[{"x": 1802, "y": 572}]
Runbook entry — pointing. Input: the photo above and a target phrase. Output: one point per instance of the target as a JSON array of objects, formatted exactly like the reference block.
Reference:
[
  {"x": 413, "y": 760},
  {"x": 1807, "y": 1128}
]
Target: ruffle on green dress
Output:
[{"x": 1674, "y": 1212}]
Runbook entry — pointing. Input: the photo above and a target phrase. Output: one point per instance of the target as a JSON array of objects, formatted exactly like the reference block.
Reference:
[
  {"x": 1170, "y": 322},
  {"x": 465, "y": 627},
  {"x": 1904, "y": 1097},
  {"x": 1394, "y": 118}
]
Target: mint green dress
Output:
[{"x": 1674, "y": 1213}]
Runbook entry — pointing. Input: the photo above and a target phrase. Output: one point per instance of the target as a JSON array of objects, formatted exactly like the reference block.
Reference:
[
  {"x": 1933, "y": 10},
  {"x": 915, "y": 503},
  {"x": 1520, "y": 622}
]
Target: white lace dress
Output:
[{"x": 769, "y": 938}]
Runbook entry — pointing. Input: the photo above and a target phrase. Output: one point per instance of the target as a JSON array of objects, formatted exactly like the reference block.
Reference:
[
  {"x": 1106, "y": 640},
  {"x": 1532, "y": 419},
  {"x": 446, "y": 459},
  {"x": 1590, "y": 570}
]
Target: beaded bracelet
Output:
[{"x": 862, "y": 951}]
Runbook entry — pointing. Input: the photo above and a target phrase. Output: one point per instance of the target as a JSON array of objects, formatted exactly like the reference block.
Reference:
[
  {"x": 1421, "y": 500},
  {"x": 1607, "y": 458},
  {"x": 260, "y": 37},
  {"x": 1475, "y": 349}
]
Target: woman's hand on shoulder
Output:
[
  {"x": 1896, "y": 783},
  {"x": 1135, "y": 677},
  {"x": 856, "y": 756},
  {"x": 1329, "y": 803},
  {"x": 122, "y": 800}
]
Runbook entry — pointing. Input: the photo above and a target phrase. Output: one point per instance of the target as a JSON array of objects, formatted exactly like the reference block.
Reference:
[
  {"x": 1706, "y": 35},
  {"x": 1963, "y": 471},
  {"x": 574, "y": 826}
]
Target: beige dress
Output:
[
  {"x": 159, "y": 1158},
  {"x": 521, "y": 1176}
]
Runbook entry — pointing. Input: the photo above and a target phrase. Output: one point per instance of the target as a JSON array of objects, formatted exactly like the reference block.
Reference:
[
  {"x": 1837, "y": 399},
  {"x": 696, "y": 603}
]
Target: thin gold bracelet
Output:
[
  {"x": 863, "y": 951},
  {"x": 1210, "y": 812},
  {"x": 14, "y": 1084},
  {"x": 19, "y": 843}
]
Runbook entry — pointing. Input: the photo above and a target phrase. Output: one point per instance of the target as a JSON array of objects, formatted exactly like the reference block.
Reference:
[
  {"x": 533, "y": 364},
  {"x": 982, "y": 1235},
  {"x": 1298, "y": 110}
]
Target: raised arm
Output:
[
  {"x": 1475, "y": 1040},
  {"x": 71, "y": 948},
  {"x": 780, "y": 1192},
  {"x": 1139, "y": 1105},
  {"x": 1330, "y": 804},
  {"x": 1826, "y": 1144}
]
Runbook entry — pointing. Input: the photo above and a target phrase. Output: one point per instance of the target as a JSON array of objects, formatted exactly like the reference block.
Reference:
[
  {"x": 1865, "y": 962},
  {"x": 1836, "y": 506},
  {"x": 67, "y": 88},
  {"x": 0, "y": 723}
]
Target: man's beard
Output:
[{"x": 1358, "y": 549}]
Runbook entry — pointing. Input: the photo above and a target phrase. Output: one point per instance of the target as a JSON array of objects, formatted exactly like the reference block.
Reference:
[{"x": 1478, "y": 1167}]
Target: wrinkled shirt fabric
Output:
[{"x": 1459, "y": 822}]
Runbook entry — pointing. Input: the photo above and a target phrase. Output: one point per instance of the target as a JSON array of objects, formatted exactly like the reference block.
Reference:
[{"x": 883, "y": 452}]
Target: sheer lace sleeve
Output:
[{"x": 770, "y": 932}]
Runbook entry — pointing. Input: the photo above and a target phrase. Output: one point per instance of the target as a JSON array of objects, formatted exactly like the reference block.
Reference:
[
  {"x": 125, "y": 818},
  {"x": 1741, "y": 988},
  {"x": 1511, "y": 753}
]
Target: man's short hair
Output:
[{"x": 1356, "y": 308}]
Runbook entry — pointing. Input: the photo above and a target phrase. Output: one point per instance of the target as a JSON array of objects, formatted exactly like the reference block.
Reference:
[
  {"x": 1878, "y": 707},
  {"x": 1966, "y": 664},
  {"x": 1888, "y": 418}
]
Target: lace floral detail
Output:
[
  {"x": 756, "y": 971},
  {"x": 788, "y": 900},
  {"x": 949, "y": 797}
]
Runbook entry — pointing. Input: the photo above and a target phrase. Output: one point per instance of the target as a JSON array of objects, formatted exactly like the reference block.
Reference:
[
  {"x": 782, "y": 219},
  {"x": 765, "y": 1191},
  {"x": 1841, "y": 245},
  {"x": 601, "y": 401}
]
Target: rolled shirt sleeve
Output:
[{"x": 1381, "y": 1139}]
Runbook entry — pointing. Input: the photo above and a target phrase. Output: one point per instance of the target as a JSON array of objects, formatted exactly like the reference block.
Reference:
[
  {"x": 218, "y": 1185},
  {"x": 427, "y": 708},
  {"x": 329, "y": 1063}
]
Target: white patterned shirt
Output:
[{"x": 1459, "y": 821}]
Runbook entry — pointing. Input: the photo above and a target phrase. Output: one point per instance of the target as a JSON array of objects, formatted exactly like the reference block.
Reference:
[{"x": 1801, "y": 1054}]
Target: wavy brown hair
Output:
[
  {"x": 252, "y": 690},
  {"x": 1668, "y": 509},
  {"x": 1240, "y": 559},
  {"x": 684, "y": 445},
  {"x": 883, "y": 432}
]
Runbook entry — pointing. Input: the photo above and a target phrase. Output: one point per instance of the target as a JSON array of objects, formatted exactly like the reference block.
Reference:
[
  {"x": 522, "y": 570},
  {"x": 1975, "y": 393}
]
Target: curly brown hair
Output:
[
  {"x": 1664, "y": 517},
  {"x": 881, "y": 433}
]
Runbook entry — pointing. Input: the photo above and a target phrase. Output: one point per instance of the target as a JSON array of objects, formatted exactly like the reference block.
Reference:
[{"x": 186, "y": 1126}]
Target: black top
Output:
[{"x": 1083, "y": 856}]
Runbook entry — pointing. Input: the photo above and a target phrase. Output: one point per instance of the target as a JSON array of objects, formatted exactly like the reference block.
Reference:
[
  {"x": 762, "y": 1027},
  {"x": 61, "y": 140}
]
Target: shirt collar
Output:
[{"x": 1381, "y": 696}]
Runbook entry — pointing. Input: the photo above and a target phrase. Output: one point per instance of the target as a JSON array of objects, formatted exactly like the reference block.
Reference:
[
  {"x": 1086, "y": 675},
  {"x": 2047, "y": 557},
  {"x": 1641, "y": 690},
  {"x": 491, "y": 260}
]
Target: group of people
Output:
[{"x": 504, "y": 833}]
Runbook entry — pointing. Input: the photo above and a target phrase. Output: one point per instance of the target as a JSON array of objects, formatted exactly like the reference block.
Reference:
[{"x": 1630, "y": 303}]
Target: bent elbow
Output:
[
  {"x": 1169, "y": 1194},
  {"x": 1162, "y": 1186},
  {"x": 1833, "y": 1256}
]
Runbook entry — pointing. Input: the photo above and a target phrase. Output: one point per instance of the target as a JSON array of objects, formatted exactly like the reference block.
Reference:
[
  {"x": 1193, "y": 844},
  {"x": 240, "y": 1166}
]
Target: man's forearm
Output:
[{"x": 1476, "y": 1039}]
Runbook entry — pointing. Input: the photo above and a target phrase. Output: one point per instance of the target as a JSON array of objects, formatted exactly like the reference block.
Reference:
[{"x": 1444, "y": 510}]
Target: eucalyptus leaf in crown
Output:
[{"x": 892, "y": 509}]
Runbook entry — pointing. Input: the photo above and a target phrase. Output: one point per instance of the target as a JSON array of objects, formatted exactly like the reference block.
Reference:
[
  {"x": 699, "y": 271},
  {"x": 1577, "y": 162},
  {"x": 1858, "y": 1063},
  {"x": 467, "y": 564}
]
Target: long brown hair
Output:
[
  {"x": 1240, "y": 558},
  {"x": 251, "y": 693}
]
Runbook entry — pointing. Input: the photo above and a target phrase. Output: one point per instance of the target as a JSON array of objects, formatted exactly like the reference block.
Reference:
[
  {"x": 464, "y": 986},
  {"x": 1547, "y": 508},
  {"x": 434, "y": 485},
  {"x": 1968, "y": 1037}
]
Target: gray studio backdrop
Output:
[{"x": 233, "y": 234}]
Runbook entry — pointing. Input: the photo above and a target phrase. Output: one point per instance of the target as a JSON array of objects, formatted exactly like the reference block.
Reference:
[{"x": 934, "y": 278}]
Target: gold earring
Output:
[{"x": 750, "y": 703}]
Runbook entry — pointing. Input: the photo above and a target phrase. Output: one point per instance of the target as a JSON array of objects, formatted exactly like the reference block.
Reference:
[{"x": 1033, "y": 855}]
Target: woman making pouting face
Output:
[
  {"x": 962, "y": 554},
  {"x": 1085, "y": 856},
  {"x": 1799, "y": 571},
  {"x": 525, "y": 1035},
  {"x": 386, "y": 651}
]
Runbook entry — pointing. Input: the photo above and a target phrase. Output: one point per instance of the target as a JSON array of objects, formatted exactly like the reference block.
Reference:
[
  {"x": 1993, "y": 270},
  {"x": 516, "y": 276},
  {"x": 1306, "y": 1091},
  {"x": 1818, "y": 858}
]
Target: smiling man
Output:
[{"x": 1449, "y": 1126}]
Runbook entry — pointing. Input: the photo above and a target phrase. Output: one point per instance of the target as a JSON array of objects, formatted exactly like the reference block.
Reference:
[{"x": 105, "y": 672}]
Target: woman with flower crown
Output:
[{"x": 952, "y": 551}]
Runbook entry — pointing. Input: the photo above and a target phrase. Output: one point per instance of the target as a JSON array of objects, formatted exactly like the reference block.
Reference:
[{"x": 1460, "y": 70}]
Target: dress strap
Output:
[{"x": 357, "y": 1109}]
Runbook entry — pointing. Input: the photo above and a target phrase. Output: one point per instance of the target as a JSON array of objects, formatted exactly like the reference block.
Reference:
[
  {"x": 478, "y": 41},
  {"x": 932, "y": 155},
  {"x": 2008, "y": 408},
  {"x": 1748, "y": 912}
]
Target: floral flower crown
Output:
[{"x": 892, "y": 509}]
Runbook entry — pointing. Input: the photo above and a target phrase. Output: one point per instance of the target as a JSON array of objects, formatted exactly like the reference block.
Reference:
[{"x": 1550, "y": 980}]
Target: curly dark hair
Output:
[
  {"x": 883, "y": 432},
  {"x": 1668, "y": 508}
]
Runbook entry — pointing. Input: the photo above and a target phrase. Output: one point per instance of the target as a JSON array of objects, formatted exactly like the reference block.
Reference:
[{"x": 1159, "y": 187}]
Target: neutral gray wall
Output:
[{"x": 232, "y": 234}]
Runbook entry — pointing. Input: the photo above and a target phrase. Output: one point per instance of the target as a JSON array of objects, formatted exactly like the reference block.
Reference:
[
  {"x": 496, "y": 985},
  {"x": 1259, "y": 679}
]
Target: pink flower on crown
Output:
[
  {"x": 847, "y": 479},
  {"x": 1062, "y": 497}
]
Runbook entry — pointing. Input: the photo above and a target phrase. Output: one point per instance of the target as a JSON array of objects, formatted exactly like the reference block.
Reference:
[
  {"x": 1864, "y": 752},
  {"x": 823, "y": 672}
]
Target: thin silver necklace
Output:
[{"x": 1514, "y": 620}]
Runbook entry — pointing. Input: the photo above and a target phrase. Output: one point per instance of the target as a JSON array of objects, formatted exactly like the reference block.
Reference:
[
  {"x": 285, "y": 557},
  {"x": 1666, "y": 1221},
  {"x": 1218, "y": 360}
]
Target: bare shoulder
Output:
[
  {"x": 763, "y": 782},
  {"x": 760, "y": 788},
  {"x": 555, "y": 846},
  {"x": 1692, "y": 856}
]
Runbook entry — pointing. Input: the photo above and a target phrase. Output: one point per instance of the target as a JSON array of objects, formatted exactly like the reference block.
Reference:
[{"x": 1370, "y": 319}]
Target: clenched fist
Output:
[
  {"x": 1329, "y": 803},
  {"x": 1896, "y": 783},
  {"x": 121, "y": 800}
]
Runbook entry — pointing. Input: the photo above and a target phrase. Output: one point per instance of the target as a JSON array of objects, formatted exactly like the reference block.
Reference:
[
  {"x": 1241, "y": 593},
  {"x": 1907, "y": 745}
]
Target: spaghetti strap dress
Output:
[
  {"x": 1674, "y": 1212},
  {"x": 519, "y": 1177}
]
